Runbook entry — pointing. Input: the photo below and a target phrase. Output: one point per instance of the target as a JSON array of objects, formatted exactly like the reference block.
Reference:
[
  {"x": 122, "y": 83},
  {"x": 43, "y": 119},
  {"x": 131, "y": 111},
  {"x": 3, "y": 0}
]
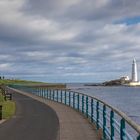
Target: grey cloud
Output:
[
  {"x": 69, "y": 40},
  {"x": 90, "y": 10}
]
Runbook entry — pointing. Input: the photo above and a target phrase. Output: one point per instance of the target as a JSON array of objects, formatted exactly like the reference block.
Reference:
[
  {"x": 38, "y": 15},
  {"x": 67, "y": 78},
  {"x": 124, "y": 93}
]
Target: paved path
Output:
[
  {"x": 33, "y": 121},
  {"x": 73, "y": 126}
]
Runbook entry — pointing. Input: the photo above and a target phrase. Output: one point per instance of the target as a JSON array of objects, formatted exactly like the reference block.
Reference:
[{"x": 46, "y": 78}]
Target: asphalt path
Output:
[{"x": 33, "y": 121}]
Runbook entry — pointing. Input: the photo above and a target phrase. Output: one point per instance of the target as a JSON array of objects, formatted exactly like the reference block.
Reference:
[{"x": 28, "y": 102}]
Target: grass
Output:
[
  {"x": 8, "y": 108},
  {"x": 7, "y": 81},
  {"x": 31, "y": 83}
]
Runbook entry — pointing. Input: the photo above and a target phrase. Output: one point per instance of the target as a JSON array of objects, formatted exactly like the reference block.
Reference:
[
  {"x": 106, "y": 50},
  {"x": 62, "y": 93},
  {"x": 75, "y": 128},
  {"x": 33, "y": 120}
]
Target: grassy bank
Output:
[
  {"x": 32, "y": 83},
  {"x": 6, "y": 82},
  {"x": 8, "y": 108}
]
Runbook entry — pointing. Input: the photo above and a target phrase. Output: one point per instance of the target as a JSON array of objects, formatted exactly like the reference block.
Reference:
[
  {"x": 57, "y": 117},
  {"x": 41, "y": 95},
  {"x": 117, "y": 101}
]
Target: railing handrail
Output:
[
  {"x": 120, "y": 113},
  {"x": 129, "y": 121}
]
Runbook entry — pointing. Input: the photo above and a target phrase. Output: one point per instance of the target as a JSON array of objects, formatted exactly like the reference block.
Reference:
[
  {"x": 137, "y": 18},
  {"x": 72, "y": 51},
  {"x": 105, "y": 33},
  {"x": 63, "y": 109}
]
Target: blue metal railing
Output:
[{"x": 114, "y": 124}]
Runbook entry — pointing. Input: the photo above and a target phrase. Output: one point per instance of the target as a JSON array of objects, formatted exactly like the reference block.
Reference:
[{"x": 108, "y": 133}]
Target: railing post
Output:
[
  {"x": 97, "y": 115},
  {"x": 57, "y": 95},
  {"x": 61, "y": 95},
  {"x": 87, "y": 106},
  {"x": 40, "y": 92},
  {"x": 53, "y": 94},
  {"x": 65, "y": 98},
  {"x": 92, "y": 109},
  {"x": 122, "y": 129},
  {"x": 47, "y": 93},
  {"x": 73, "y": 100},
  {"x": 112, "y": 124},
  {"x": 104, "y": 121},
  {"x": 69, "y": 98},
  {"x": 83, "y": 104},
  {"x": 78, "y": 101}
]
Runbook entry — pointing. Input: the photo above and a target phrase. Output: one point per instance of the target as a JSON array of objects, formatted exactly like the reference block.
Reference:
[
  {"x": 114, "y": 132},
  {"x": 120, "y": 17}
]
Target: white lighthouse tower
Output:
[
  {"x": 134, "y": 80},
  {"x": 134, "y": 71}
]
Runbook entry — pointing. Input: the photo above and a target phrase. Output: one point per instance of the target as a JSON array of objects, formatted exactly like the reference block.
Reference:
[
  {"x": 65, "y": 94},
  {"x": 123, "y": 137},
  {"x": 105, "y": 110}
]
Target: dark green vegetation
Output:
[{"x": 8, "y": 107}]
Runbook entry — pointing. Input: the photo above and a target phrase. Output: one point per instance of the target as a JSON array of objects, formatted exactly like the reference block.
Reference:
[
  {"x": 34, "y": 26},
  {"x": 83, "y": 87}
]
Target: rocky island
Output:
[{"x": 117, "y": 82}]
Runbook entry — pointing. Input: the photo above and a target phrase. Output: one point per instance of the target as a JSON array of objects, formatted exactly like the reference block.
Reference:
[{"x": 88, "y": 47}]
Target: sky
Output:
[{"x": 69, "y": 40}]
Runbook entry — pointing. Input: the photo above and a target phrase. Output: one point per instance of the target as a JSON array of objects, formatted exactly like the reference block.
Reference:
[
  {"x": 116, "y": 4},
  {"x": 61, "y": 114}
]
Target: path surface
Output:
[
  {"x": 33, "y": 121},
  {"x": 73, "y": 126}
]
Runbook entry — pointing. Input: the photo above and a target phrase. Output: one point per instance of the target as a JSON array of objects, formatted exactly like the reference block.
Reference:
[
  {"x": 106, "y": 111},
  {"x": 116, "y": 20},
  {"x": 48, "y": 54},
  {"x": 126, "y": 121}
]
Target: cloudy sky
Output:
[{"x": 69, "y": 40}]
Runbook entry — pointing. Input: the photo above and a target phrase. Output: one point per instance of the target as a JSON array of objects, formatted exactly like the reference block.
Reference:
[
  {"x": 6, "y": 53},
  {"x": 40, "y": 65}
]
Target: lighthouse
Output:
[
  {"x": 134, "y": 81},
  {"x": 134, "y": 71}
]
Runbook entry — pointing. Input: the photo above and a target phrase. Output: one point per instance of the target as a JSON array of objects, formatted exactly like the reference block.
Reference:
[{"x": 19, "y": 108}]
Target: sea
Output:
[{"x": 124, "y": 98}]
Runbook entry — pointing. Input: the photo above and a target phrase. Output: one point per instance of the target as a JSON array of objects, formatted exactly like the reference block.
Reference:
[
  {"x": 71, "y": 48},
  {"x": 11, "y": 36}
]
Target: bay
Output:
[{"x": 126, "y": 99}]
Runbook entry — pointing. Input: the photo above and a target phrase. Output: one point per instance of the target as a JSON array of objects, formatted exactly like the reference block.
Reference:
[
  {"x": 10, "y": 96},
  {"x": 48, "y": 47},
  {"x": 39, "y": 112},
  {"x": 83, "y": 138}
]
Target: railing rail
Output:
[{"x": 114, "y": 124}]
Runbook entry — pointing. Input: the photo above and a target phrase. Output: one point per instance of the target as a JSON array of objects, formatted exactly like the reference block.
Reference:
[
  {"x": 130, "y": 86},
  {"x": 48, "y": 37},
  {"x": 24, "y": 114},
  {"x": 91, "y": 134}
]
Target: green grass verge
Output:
[{"x": 8, "y": 108}]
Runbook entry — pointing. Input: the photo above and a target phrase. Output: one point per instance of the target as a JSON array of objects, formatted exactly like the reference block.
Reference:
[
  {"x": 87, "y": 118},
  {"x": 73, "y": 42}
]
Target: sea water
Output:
[{"x": 126, "y": 99}]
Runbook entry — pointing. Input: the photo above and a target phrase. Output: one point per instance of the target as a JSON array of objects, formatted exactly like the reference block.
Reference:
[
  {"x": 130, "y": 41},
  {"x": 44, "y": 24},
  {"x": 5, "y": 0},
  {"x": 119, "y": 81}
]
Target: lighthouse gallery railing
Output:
[{"x": 113, "y": 123}]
